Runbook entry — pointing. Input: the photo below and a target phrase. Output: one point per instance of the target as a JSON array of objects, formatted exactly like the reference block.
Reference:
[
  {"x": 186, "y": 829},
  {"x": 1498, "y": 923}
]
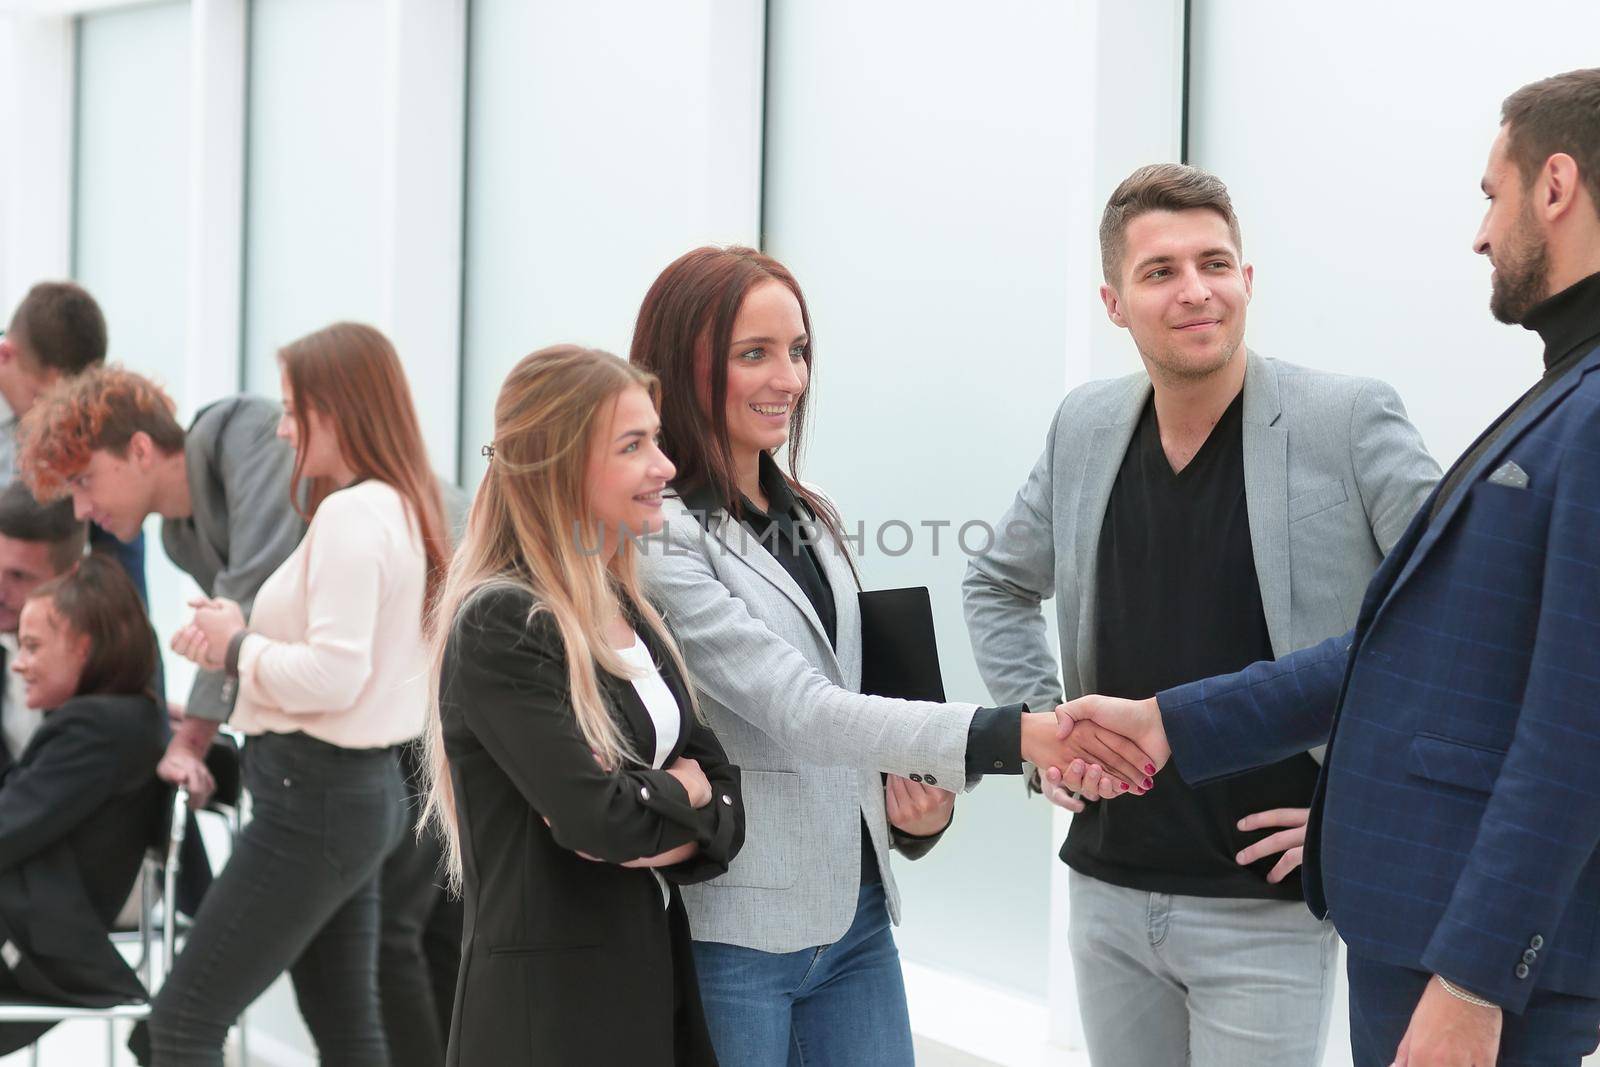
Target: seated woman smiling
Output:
[{"x": 79, "y": 807}]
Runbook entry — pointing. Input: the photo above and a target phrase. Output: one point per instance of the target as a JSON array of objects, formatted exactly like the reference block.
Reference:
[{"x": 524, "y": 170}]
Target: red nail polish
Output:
[
  {"x": 1148, "y": 783},
  {"x": 1122, "y": 787},
  {"x": 1149, "y": 768}
]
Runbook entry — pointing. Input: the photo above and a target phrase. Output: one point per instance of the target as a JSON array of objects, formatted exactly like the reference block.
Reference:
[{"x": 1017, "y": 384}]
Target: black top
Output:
[
  {"x": 580, "y": 955},
  {"x": 1178, "y": 599},
  {"x": 1569, "y": 325}
]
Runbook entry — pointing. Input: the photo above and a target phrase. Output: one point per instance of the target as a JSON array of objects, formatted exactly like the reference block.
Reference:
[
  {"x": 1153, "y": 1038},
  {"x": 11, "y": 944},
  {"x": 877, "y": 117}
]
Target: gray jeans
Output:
[{"x": 1166, "y": 980}]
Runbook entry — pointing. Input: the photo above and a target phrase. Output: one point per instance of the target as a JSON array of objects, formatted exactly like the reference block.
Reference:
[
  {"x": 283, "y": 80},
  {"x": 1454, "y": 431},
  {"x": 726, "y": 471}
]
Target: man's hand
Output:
[
  {"x": 917, "y": 809},
  {"x": 1291, "y": 841},
  {"x": 182, "y": 767},
  {"x": 1138, "y": 721},
  {"x": 1047, "y": 742},
  {"x": 1447, "y": 1031}
]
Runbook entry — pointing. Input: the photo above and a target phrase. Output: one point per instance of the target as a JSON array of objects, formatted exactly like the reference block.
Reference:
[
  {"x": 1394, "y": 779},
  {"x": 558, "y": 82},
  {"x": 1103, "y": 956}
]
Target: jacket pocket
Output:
[
  {"x": 1315, "y": 501},
  {"x": 771, "y": 832},
  {"x": 1441, "y": 759}
]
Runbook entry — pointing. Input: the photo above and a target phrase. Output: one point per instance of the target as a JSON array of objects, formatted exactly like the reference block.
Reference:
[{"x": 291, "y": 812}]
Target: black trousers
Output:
[
  {"x": 419, "y": 947},
  {"x": 299, "y": 894}
]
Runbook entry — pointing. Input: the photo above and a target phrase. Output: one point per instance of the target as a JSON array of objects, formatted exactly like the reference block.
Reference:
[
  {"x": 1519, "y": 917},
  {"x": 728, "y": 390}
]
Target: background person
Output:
[
  {"x": 328, "y": 680},
  {"x": 56, "y": 332},
  {"x": 79, "y": 806},
  {"x": 108, "y": 439}
]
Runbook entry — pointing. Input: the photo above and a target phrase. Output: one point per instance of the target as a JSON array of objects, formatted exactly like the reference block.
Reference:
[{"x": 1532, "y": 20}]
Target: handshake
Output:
[{"x": 1096, "y": 747}]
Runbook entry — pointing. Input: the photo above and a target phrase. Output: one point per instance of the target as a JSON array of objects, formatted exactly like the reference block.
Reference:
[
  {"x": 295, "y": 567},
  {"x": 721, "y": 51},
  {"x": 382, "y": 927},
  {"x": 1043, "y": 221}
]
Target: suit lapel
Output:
[
  {"x": 1487, "y": 462},
  {"x": 846, "y": 608},
  {"x": 742, "y": 544},
  {"x": 1266, "y": 483},
  {"x": 1102, "y": 457}
]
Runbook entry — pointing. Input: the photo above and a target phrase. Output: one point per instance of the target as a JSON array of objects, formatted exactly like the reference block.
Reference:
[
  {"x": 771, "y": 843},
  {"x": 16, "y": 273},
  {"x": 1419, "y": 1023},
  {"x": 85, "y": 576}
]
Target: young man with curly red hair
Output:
[{"x": 108, "y": 438}]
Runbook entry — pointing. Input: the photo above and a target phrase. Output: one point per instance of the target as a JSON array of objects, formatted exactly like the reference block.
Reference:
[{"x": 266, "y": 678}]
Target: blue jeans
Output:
[{"x": 839, "y": 1005}]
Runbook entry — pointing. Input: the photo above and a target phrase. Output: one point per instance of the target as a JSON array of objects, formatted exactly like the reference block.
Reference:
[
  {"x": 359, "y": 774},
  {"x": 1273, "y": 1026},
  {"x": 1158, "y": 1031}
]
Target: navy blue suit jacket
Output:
[{"x": 1455, "y": 824}]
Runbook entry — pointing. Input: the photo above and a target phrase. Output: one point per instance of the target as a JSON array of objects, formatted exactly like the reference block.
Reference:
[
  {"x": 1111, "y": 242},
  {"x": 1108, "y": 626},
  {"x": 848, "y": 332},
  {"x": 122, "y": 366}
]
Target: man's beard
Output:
[
  {"x": 1176, "y": 370},
  {"x": 1520, "y": 276}
]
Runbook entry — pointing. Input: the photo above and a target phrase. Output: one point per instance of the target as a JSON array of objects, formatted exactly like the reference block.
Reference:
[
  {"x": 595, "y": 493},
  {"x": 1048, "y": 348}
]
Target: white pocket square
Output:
[{"x": 1509, "y": 475}]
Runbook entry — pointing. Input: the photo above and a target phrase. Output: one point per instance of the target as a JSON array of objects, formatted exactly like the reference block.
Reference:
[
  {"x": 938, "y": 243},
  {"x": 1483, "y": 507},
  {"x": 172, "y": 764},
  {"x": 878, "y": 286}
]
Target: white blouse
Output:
[
  {"x": 335, "y": 646},
  {"x": 657, "y": 697}
]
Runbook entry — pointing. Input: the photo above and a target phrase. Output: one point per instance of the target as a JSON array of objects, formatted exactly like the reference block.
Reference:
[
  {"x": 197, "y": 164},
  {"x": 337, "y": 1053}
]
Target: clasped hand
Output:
[{"x": 204, "y": 639}]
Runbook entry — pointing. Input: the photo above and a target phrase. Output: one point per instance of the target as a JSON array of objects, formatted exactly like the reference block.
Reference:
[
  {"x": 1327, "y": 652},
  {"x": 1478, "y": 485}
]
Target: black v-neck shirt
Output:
[{"x": 1177, "y": 599}]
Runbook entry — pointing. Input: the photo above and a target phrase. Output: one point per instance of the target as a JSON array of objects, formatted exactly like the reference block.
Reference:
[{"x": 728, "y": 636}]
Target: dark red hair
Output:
[
  {"x": 685, "y": 324},
  {"x": 351, "y": 374}
]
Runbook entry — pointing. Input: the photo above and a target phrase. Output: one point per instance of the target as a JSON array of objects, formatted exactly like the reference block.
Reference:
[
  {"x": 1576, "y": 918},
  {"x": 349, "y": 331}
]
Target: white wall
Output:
[
  {"x": 604, "y": 140},
  {"x": 313, "y": 239},
  {"x": 1353, "y": 139}
]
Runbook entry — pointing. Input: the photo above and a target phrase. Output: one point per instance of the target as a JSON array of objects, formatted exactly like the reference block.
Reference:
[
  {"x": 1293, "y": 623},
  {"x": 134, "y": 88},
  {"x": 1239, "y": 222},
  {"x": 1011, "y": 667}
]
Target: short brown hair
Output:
[
  {"x": 100, "y": 409},
  {"x": 61, "y": 326},
  {"x": 97, "y": 599},
  {"x": 1160, "y": 187},
  {"x": 1559, "y": 114},
  {"x": 22, "y": 518}
]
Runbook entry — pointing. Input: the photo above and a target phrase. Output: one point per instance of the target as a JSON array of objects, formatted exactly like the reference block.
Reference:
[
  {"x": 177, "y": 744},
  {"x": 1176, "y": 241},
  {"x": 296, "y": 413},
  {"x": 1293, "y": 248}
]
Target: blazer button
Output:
[
  {"x": 1536, "y": 942},
  {"x": 644, "y": 792},
  {"x": 999, "y": 764},
  {"x": 930, "y": 779},
  {"x": 726, "y": 799},
  {"x": 1522, "y": 970},
  {"x": 916, "y": 777},
  {"x": 1529, "y": 956}
]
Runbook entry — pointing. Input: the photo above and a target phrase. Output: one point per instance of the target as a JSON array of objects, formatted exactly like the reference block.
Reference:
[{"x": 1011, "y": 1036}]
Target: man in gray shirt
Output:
[{"x": 109, "y": 439}]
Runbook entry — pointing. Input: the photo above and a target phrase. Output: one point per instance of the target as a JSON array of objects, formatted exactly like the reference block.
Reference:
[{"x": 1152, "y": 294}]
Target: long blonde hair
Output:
[{"x": 524, "y": 531}]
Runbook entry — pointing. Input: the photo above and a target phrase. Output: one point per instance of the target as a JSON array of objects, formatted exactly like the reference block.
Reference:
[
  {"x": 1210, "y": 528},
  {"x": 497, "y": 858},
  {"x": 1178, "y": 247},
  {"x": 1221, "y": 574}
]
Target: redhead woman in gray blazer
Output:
[{"x": 793, "y": 945}]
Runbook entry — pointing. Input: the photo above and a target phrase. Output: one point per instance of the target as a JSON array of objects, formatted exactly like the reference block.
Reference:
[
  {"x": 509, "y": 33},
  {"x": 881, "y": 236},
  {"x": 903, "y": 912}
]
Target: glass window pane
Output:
[
  {"x": 313, "y": 243},
  {"x": 130, "y": 226},
  {"x": 912, "y": 186}
]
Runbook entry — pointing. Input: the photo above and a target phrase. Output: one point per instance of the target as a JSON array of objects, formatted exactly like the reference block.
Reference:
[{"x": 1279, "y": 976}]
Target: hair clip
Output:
[{"x": 487, "y": 451}]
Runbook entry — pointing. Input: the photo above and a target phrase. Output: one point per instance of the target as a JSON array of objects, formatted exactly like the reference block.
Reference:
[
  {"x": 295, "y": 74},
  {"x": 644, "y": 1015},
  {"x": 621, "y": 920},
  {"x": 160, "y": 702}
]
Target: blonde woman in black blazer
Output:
[{"x": 574, "y": 780}]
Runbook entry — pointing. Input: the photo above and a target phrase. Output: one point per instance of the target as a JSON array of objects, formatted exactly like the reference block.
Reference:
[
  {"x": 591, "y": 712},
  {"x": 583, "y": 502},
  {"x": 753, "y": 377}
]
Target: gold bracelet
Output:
[{"x": 1462, "y": 994}]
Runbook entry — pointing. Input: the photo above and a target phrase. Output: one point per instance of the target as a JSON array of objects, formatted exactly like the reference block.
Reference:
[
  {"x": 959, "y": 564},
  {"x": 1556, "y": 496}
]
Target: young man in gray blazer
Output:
[
  {"x": 1218, "y": 509},
  {"x": 221, "y": 487}
]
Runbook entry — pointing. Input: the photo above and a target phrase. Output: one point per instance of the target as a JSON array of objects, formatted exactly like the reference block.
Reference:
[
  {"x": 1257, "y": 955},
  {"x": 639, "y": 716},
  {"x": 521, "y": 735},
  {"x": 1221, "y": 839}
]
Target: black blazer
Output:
[
  {"x": 77, "y": 812},
  {"x": 565, "y": 960}
]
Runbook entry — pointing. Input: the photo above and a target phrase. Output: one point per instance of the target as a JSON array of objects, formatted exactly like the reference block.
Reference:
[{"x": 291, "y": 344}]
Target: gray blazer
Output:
[
  {"x": 1333, "y": 472},
  {"x": 242, "y": 525},
  {"x": 787, "y": 709}
]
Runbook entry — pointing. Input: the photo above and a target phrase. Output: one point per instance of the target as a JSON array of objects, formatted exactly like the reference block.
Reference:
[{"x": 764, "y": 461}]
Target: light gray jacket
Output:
[
  {"x": 786, "y": 708},
  {"x": 1333, "y": 472}
]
